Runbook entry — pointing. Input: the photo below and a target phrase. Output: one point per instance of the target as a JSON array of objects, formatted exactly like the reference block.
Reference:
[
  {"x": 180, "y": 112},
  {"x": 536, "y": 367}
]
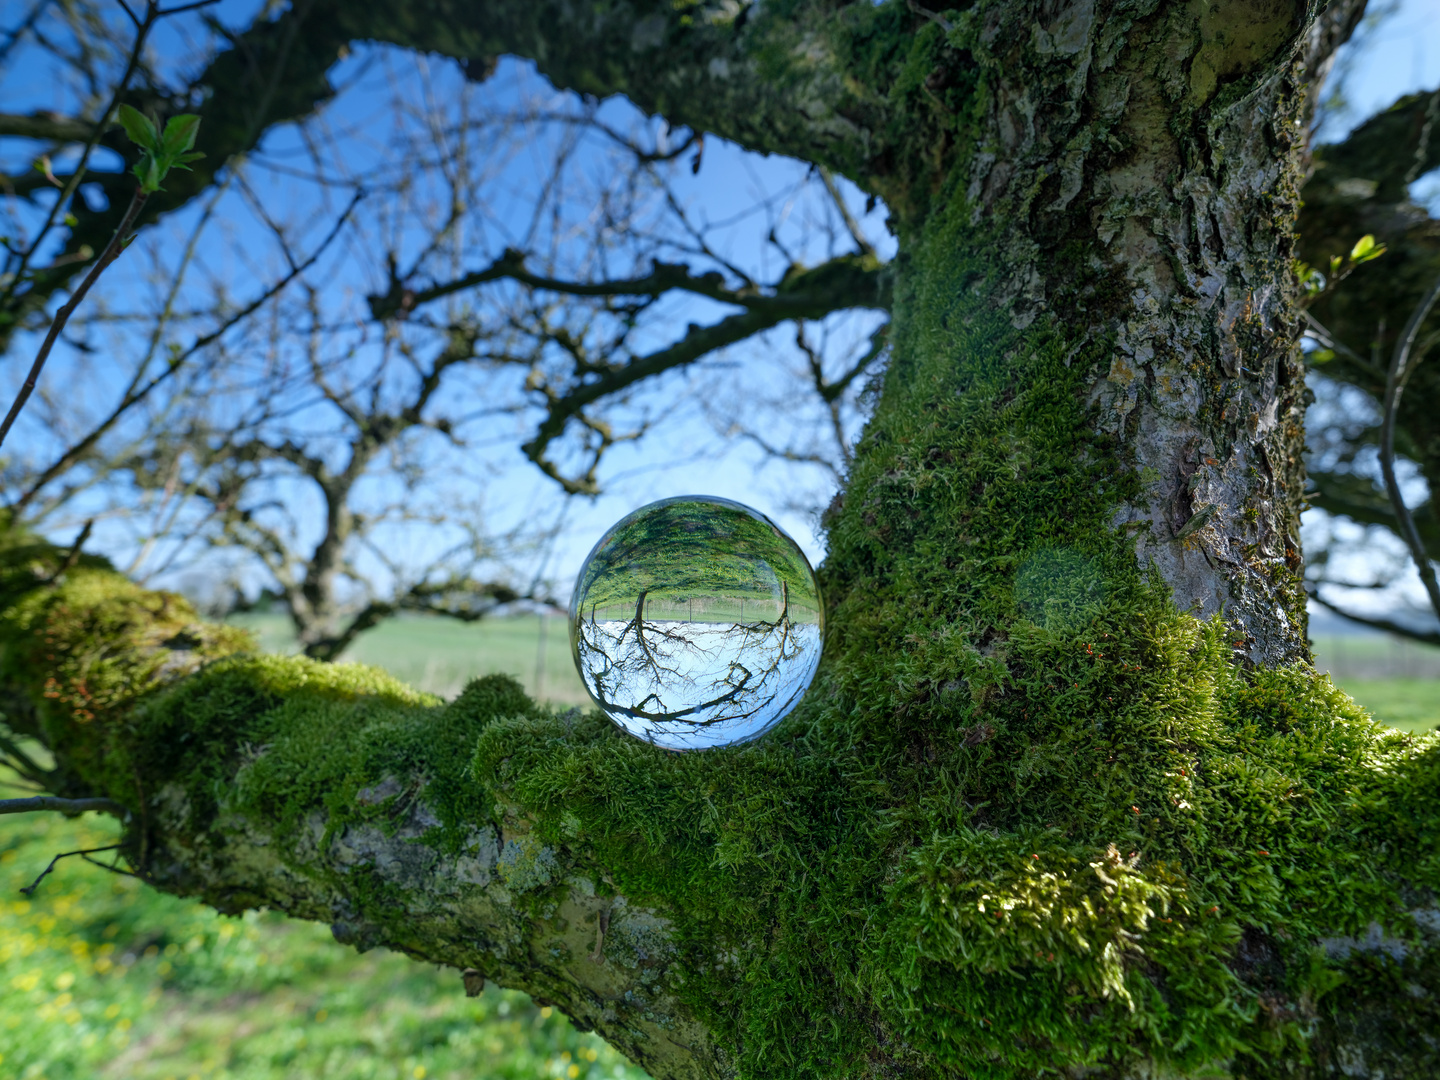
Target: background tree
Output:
[
  {"x": 1036, "y": 815},
  {"x": 564, "y": 329}
]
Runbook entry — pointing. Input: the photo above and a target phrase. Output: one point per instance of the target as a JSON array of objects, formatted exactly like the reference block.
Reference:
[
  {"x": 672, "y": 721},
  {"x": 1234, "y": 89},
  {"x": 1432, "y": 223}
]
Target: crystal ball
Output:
[{"x": 696, "y": 622}]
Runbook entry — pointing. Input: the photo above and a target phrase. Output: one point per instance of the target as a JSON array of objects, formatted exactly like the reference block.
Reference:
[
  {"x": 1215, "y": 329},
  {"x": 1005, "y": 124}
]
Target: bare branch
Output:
[
  {"x": 118, "y": 244},
  {"x": 1401, "y": 368},
  {"x": 84, "y": 853},
  {"x": 79, "y": 449},
  {"x": 49, "y": 126},
  {"x": 856, "y": 233},
  {"x": 1377, "y": 623},
  {"x": 64, "y": 806}
]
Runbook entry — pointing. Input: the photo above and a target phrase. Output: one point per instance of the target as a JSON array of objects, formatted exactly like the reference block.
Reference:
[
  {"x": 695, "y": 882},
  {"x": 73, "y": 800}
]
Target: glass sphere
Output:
[{"x": 696, "y": 622}]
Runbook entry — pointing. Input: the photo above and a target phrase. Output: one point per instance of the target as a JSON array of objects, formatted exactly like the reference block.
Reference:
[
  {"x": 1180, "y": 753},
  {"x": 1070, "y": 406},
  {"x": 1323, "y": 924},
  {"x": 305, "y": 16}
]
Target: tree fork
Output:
[{"x": 1065, "y": 798}]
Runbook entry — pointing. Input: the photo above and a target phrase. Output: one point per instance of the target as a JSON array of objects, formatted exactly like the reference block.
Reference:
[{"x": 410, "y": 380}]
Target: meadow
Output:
[{"x": 103, "y": 978}]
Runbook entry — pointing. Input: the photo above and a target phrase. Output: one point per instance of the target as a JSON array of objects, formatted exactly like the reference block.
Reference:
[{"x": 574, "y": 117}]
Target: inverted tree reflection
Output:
[
  {"x": 693, "y": 671},
  {"x": 696, "y": 622}
]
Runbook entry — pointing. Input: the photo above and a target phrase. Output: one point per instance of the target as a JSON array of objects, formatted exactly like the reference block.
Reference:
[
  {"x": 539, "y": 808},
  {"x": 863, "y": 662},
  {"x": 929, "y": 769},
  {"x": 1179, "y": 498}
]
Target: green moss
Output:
[
  {"x": 1031, "y": 818},
  {"x": 1068, "y": 847}
]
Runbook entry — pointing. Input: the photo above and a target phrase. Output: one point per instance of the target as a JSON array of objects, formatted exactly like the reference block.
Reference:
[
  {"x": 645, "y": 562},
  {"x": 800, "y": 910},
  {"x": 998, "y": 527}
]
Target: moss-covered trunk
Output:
[
  {"x": 1066, "y": 798},
  {"x": 1095, "y": 341}
]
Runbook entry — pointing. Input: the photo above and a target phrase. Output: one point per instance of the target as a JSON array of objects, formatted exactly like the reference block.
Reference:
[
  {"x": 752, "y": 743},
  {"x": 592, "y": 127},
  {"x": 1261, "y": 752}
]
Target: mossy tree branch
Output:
[{"x": 1036, "y": 816}]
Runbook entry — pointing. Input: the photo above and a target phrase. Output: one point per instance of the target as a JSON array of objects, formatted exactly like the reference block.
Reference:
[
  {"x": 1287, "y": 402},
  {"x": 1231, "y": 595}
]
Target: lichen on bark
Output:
[{"x": 1067, "y": 797}]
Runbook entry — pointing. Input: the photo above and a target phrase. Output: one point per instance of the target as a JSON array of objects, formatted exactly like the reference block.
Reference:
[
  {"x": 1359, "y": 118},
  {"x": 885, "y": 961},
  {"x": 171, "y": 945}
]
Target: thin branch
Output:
[
  {"x": 84, "y": 853},
  {"x": 12, "y": 37},
  {"x": 1390, "y": 627},
  {"x": 64, "y": 806},
  {"x": 21, "y": 762},
  {"x": 1400, "y": 371},
  {"x": 73, "y": 555},
  {"x": 187, "y": 7},
  {"x": 118, "y": 243},
  {"x": 63, "y": 202},
  {"x": 852, "y": 226},
  {"x": 1318, "y": 331},
  {"x": 79, "y": 449},
  {"x": 790, "y": 303},
  {"x": 50, "y": 127}
]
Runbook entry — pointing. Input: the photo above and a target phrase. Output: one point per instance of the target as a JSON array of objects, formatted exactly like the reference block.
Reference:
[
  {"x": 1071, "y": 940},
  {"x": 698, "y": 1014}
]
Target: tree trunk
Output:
[{"x": 1066, "y": 797}]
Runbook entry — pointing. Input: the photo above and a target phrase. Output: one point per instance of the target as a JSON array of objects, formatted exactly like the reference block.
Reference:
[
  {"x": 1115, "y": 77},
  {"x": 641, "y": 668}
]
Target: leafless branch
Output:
[
  {"x": 1402, "y": 366},
  {"x": 64, "y": 806},
  {"x": 1390, "y": 626},
  {"x": 84, "y": 853},
  {"x": 79, "y": 449},
  {"x": 117, "y": 245}
]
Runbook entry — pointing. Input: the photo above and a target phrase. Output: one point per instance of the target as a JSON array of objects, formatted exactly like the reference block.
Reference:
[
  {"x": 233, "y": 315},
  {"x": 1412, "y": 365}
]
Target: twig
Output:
[
  {"x": 118, "y": 243},
  {"x": 938, "y": 20},
  {"x": 60, "y": 204},
  {"x": 29, "y": 890},
  {"x": 1388, "y": 625},
  {"x": 73, "y": 555},
  {"x": 1400, "y": 371},
  {"x": 17, "y": 759},
  {"x": 851, "y": 225},
  {"x": 80, "y": 448},
  {"x": 1318, "y": 331},
  {"x": 64, "y": 806}
]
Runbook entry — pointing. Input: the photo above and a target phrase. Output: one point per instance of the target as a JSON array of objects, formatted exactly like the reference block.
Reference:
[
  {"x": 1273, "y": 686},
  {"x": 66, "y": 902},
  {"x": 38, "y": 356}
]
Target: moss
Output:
[
  {"x": 1034, "y": 817},
  {"x": 1057, "y": 855},
  {"x": 1031, "y": 819},
  {"x": 83, "y": 647}
]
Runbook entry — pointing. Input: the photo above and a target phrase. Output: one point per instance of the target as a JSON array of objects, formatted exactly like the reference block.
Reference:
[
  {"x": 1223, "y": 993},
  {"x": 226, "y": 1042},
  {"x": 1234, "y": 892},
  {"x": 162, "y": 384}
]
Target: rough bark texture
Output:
[{"x": 1065, "y": 799}]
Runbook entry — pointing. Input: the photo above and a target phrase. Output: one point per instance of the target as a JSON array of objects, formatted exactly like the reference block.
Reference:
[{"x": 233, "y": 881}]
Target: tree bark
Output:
[{"x": 1066, "y": 798}]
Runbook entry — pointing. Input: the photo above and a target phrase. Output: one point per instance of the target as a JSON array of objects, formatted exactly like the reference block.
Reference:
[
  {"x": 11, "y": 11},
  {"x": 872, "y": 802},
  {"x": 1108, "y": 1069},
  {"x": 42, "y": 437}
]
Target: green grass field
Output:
[
  {"x": 441, "y": 655},
  {"x": 103, "y": 978},
  {"x": 1398, "y": 681}
]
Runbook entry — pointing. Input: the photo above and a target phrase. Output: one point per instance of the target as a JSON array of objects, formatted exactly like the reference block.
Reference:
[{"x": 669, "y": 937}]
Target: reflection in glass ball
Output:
[{"x": 696, "y": 622}]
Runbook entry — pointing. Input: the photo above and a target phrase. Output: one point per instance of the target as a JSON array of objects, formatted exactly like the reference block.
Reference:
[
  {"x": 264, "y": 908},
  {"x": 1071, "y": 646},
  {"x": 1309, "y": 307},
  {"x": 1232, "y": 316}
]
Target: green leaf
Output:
[
  {"x": 151, "y": 175},
  {"x": 1311, "y": 280},
  {"x": 185, "y": 159},
  {"x": 1374, "y": 253},
  {"x": 180, "y": 132},
  {"x": 1363, "y": 247},
  {"x": 140, "y": 128},
  {"x": 71, "y": 220}
]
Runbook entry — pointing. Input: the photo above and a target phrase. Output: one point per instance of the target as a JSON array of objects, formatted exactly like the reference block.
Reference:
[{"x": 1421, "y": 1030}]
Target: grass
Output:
[
  {"x": 441, "y": 655},
  {"x": 103, "y": 978},
  {"x": 1408, "y": 704},
  {"x": 1376, "y": 657},
  {"x": 1398, "y": 681}
]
